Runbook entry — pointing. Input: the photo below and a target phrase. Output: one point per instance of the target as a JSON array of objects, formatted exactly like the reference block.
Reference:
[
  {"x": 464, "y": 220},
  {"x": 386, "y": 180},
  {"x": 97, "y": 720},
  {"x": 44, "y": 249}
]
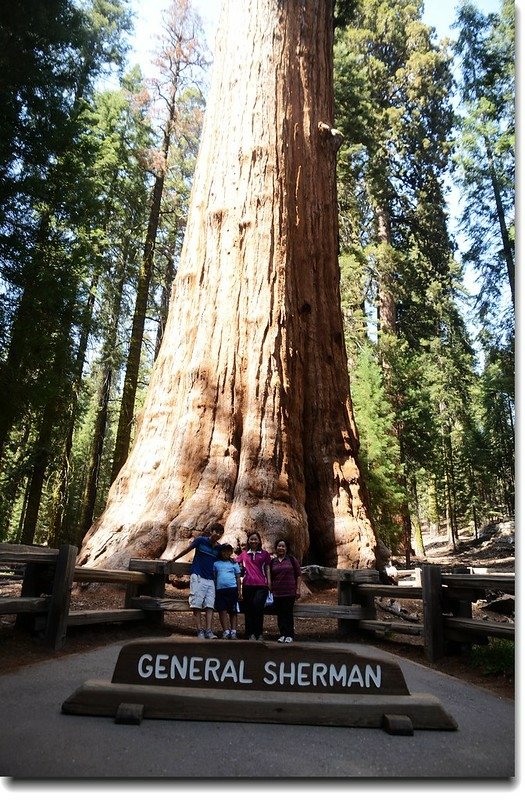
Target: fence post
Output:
[
  {"x": 348, "y": 594},
  {"x": 37, "y": 581},
  {"x": 432, "y": 612},
  {"x": 56, "y": 625},
  {"x": 157, "y": 572},
  {"x": 344, "y": 598},
  {"x": 459, "y": 607}
]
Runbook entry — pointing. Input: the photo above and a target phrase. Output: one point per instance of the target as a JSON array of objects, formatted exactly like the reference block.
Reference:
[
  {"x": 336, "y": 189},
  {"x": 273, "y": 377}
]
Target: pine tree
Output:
[
  {"x": 49, "y": 263},
  {"x": 118, "y": 123},
  {"x": 485, "y": 156},
  {"x": 392, "y": 86},
  {"x": 180, "y": 57}
]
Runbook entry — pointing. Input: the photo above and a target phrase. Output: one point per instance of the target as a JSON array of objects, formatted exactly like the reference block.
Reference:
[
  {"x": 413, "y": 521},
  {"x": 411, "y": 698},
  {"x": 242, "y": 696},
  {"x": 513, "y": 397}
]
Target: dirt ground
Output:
[{"x": 17, "y": 649}]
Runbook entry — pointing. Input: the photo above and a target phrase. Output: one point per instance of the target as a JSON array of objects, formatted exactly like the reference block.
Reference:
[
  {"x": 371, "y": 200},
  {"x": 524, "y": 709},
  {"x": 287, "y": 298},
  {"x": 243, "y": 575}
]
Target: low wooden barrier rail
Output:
[
  {"x": 46, "y": 589},
  {"x": 44, "y": 602}
]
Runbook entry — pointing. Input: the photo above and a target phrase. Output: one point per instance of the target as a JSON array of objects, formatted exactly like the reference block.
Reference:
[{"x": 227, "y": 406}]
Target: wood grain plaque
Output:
[{"x": 260, "y": 666}]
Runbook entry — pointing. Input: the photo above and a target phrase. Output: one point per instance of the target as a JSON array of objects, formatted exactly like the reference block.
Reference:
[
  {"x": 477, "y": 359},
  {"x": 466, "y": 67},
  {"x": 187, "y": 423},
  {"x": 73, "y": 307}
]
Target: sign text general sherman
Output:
[{"x": 253, "y": 665}]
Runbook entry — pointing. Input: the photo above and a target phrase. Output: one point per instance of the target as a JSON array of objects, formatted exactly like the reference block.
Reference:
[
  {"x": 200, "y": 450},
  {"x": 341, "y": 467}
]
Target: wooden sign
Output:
[
  {"x": 256, "y": 666},
  {"x": 183, "y": 677}
]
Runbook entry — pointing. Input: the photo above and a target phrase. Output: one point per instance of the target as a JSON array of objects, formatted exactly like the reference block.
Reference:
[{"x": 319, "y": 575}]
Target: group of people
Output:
[{"x": 224, "y": 581}]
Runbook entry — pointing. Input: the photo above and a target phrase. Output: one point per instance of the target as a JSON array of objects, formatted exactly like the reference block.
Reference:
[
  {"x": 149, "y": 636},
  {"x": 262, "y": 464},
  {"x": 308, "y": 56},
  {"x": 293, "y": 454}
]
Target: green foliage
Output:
[
  {"x": 77, "y": 166},
  {"x": 38, "y": 43},
  {"x": 50, "y": 261},
  {"x": 343, "y": 11},
  {"x": 392, "y": 89},
  {"x": 491, "y": 431},
  {"x": 80, "y": 181},
  {"x": 353, "y": 293},
  {"x": 453, "y": 428},
  {"x": 496, "y": 658},
  {"x": 379, "y": 447},
  {"x": 485, "y": 155}
]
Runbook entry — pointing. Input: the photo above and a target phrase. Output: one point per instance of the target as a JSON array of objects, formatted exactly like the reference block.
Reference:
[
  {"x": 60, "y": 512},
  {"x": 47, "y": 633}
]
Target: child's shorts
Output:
[{"x": 226, "y": 600}]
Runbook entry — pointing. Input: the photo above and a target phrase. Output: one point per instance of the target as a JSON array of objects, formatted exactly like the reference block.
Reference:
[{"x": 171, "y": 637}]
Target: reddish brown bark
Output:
[
  {"x": 386, "y": 300},
  {"x": 248, "y": 418}
]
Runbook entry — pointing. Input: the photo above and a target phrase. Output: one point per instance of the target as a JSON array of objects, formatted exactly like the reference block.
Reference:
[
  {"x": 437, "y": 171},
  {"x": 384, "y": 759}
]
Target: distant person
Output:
[
  {"x": 227, "y": 590},
  {"x": 256, "y": 584},
  {"x": 202, "y": 584},
  {"x": 388, "y": 574},
  {"x": 285, "y": 572},
  {"x": 387, "y": 571}
]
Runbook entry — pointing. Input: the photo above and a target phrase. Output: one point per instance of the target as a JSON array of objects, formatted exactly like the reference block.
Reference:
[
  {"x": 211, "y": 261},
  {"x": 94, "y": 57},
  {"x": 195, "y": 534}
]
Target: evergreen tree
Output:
[
  {"x": 179, "y": 60},
  {"x": 50, "y": 261},
  {"x": 175, "y": 202},
  {"x": 485, "y": 156},
  {"x": 393, "y": 106},
  {"x": 119, "y": 124},
  {"x": 379, "y": 455}
]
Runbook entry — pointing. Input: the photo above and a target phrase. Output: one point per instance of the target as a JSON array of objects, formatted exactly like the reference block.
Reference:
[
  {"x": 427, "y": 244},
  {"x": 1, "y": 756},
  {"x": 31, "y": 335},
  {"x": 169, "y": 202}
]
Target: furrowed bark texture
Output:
[{"x": 248, "y": 419}]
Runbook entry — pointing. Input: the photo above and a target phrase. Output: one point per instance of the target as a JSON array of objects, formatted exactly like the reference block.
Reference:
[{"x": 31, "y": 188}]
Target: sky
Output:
[{"x": 438, "y": 13}]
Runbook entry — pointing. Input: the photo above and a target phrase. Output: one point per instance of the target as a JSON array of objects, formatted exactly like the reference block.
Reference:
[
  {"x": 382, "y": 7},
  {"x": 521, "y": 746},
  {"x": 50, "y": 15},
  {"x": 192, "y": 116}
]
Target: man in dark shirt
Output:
[{"x": 202, "y": 585}]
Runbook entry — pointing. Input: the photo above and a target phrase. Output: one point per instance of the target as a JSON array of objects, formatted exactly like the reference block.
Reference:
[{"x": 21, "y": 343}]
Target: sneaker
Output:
[
  {"x": 233, "y": 634},
  {"x": 281, "y": 639},
  {"x": 209, "y": 635},
  {"x": 201, "y": 634},
  {"x": 260, "y": 638},
  {"x": 288, "y": 639},
  {"x": 226, "y": 634},
  {"x": 253, "y": 637}
]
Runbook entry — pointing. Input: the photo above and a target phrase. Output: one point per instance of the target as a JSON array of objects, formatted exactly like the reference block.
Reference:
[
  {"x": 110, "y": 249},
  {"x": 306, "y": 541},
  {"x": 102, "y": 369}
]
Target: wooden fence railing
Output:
[{"x": 44, "y": 602}]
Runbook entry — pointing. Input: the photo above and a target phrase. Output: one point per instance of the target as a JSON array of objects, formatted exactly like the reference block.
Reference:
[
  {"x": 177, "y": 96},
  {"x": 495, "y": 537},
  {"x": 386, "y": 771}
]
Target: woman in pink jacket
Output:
[{"x": 256, "y": 584}]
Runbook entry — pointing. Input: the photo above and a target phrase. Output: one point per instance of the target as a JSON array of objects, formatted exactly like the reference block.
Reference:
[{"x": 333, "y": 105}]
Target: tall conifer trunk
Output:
[
  {"x": 387, "y": 313},
  {"x": 507, "y": 247},
  {"x": 248, "y": 418}
]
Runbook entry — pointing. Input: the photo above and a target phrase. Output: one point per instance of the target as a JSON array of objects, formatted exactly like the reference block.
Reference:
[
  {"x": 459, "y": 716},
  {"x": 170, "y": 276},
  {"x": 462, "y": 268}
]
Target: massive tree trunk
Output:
[{"x": 248, "y": 419}]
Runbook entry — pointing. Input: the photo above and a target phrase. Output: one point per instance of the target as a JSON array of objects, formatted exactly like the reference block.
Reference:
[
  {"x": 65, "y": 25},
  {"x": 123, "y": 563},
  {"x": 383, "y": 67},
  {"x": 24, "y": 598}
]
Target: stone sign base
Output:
[{"x": 237, "y": 681}]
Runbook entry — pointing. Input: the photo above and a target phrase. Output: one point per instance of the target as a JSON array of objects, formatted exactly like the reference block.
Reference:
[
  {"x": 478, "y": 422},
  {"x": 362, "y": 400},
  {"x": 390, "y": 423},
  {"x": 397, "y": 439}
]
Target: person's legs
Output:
[
  {"x": 259, "y": 599},
  {"x": 248, "y": 595},
  {"x": 287, "y": 622},
  {"x": 209, "y": 603},
  {"x": 209, "y": 617},
  {"x": 202, "y": 596},
  {"x": 278, "y": 606},
  {"x": 196, "y": 601},
  {"x": 197, "y": 619}
]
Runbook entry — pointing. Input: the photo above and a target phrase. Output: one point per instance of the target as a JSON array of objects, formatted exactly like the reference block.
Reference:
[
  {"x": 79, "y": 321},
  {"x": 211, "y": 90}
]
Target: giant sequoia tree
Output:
[{"x": 248, "y": 418}]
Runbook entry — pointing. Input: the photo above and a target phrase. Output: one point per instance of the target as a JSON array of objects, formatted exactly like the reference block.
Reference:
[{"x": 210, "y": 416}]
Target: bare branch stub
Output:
[{"x": 331, "y": 135}]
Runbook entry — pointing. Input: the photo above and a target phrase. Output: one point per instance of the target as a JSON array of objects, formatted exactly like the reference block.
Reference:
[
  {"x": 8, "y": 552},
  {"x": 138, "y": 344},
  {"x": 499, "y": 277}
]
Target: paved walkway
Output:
[{"x": 38, "y": 741}]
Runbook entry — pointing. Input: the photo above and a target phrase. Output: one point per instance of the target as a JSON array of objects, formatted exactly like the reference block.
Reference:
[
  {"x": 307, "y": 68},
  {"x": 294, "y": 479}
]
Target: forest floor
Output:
[{"x": 496, "y": 554}]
